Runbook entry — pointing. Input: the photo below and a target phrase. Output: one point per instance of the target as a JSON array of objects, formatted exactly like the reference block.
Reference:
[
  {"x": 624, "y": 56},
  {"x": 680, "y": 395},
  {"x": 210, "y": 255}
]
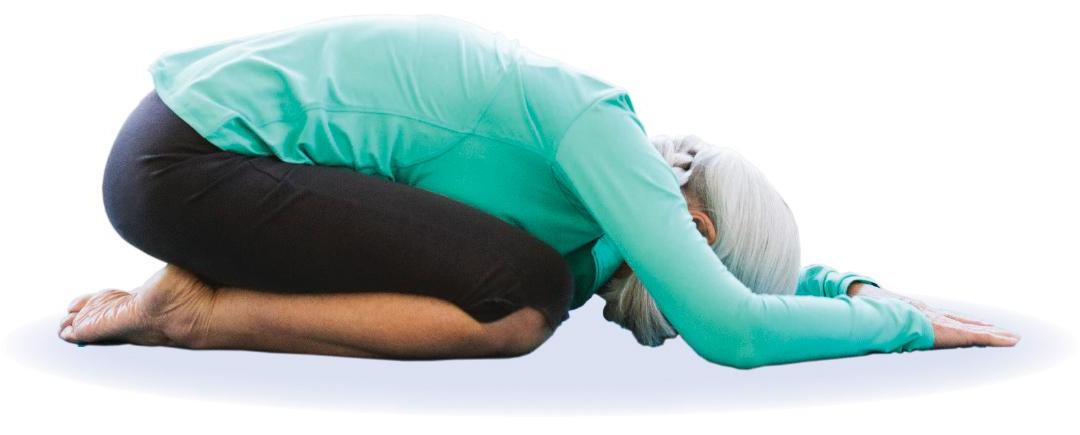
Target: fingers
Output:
[
  {"x": 999, "y": 331},
  {"x": 982, "y": 331},
  {"x": 960, "y": 318},
  {"x": 976, "y": 331},
  {"x": 950, "y": 332},
  {"x": 991, "y": 339},
  {"x": 983, "y": 327}
]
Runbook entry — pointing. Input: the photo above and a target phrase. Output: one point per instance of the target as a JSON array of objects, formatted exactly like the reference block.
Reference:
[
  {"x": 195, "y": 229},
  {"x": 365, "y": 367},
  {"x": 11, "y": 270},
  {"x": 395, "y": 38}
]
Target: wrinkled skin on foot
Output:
[{"x": 171, "y": 308}]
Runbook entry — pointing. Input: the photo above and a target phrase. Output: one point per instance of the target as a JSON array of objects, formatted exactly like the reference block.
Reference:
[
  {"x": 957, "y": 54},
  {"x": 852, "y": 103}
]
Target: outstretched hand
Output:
[{"x": 950, "y": 330}]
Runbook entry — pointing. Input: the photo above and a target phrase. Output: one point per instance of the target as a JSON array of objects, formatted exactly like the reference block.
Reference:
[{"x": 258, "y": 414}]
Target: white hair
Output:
[{"x": 757, "y": 238}]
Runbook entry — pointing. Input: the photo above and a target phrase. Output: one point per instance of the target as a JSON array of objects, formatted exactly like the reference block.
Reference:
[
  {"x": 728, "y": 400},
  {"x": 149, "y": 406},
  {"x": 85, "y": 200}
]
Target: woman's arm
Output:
[
  {"x": 950, "y": 329},
  {"x": 605, "y": 157},
  {"x": 822, "y": 280}
]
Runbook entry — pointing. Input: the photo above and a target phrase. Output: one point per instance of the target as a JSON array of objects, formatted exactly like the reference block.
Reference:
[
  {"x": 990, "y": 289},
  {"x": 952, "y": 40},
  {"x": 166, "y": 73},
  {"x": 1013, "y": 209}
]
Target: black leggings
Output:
[{"x": 257, "y": 222}]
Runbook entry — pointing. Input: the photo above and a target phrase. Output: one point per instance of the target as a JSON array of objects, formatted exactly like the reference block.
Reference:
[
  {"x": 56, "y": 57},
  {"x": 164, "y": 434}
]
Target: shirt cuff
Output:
[{"x": 852, "y": 278}]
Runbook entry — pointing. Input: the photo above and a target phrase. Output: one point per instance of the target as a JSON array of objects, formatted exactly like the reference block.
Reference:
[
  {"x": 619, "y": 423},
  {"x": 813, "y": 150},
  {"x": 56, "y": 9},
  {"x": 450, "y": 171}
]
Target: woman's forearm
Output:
[
  {"x": 866, "y": 289},
  {"x": 370, "y": 325}
]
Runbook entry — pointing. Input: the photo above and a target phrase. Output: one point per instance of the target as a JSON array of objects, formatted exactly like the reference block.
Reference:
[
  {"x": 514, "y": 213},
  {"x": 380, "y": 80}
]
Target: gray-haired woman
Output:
[{"x": 418, "y": 187}]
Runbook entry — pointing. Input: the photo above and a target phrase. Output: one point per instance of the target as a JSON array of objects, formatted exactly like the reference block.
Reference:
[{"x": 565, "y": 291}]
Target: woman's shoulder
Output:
[{"x": 592, "y": 265}]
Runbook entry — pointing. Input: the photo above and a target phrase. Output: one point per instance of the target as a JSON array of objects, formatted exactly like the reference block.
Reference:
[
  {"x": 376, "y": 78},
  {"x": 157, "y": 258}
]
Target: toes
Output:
[
  {"x": 68, "y": 320},
  {"x": 79, "y": 302},
  {"x": 67, "y": 332},
  {"x": 106, "y": 316}
]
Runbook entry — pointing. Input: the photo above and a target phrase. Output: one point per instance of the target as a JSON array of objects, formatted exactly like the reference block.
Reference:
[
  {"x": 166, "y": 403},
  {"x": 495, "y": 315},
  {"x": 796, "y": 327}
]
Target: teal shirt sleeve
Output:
[
  {"x": 606, "y": 159},
  {"x": 592, "y": 265},
  {"x": 822, "y": 280}
]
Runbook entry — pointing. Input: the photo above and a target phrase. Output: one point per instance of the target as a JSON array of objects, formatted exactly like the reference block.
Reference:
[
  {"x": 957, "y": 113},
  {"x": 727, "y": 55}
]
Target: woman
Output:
[{"x": 415, "y": 187}]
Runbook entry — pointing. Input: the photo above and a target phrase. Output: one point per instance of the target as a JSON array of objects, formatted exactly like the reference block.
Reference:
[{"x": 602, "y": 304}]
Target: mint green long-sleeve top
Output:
[{"x": 447, "y": 106}]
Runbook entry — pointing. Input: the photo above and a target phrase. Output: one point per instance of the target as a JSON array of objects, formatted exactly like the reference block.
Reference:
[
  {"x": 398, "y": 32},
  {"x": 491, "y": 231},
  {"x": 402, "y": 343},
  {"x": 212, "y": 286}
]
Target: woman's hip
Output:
[{"x": 258, "y": 222}]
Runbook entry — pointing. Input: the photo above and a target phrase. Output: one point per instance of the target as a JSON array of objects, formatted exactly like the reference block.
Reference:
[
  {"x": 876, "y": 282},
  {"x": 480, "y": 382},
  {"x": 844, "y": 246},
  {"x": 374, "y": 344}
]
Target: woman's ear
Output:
[{"x": 704, "y": 225}]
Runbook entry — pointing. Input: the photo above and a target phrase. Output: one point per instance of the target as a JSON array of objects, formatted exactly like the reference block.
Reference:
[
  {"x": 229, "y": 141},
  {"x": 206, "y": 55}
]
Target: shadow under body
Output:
[{"x": 590, "y": 366}]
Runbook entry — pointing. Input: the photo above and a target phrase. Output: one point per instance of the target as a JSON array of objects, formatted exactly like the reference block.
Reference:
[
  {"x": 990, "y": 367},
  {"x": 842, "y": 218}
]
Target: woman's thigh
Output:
[{"x": 257, "y": 222}]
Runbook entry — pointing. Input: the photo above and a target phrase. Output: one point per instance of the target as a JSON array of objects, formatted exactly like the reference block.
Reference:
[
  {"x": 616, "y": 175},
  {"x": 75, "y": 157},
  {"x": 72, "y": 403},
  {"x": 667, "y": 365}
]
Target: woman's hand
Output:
[{"x": 950, "y": 330}]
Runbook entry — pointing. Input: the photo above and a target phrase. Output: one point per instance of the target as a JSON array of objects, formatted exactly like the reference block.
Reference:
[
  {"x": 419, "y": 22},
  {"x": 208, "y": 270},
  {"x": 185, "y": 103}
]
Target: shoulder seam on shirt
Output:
[
  {"x": 571, "y": 197},
  {"x": 609, "y": 94},
  {"x": 556, "y": 167}
]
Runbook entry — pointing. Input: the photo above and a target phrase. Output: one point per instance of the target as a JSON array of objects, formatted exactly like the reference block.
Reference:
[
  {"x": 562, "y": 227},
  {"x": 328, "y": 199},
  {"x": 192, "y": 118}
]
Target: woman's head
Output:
[{"x": 755, "y": 232}]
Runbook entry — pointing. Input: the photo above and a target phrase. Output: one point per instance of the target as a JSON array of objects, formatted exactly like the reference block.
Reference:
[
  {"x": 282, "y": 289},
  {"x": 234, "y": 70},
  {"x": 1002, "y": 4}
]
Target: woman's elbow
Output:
[
  {"x": 741, "y": 353},
  {"x": 743, "y": 360}
]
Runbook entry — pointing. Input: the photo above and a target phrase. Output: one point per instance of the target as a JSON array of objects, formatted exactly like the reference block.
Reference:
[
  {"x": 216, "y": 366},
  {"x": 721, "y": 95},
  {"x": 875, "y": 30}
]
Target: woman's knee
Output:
[
  {"x": 136, "y": 165},
  {"x": 138, "y": 193},
  {"x": 549, "y": 285},
  {"x": 538, "y": 305},
  {"x": 517, "y": 334},
  {"x": 150, "y": 201},
  {"x": 123, "y": 191}
]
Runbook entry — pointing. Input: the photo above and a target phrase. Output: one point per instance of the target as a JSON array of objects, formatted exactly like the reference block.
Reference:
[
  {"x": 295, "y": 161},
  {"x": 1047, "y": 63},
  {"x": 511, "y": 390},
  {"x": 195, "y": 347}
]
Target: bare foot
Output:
[{"x": 170, "y": 309}]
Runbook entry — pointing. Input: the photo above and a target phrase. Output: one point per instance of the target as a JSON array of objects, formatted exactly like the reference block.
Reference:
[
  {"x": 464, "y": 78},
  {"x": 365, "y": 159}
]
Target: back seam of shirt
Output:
[
  {"x": 472, "y": 129},
  {"x": 471, "y": 132},
  {"x": 345, "y": 109}
]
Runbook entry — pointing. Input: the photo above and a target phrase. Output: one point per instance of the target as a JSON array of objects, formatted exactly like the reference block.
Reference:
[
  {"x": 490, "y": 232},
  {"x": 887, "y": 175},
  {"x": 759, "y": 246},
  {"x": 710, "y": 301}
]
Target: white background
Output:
[{"x": 929, "y": 144}]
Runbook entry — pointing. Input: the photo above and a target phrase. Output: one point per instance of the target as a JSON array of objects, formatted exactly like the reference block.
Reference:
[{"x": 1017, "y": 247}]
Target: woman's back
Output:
[{"x": 429, "y": 101}]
